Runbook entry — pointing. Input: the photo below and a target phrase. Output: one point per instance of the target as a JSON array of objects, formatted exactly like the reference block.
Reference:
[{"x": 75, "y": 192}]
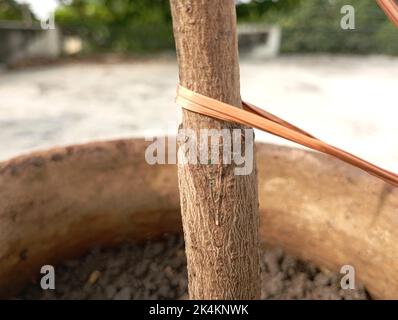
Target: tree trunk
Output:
[{"x": 219, "y": 208}]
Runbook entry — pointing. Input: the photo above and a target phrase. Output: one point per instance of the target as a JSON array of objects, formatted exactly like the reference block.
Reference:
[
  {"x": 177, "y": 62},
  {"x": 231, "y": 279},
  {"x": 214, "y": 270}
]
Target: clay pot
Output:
[{"x": 59, "y": 203}]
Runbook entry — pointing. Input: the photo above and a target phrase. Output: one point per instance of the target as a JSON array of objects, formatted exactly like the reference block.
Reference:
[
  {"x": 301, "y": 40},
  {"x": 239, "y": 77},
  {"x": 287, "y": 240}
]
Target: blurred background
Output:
[{"x": 73, "y": 71}]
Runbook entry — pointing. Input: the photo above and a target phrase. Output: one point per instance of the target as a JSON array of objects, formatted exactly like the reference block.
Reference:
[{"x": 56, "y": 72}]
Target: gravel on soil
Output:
[{"x": 157, "y": 270}]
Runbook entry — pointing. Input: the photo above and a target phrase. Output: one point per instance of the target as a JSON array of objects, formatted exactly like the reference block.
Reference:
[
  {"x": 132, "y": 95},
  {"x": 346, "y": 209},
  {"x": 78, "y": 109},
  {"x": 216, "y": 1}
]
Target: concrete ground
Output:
[{"x": 350, "y": 102}]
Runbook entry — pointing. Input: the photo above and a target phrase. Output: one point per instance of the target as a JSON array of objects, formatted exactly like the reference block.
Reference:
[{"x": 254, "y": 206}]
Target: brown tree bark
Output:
[{"x": 219, "y": 208}]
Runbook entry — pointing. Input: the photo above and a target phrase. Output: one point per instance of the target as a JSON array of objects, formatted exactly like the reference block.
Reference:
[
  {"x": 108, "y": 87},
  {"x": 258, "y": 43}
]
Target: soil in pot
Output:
[{"x": 157, "y": 270}]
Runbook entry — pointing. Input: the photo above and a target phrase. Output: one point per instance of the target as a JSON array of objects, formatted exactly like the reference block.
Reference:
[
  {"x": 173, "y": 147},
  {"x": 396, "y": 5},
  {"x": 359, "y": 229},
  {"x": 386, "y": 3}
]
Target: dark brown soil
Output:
[{"x": 157, "y": 270}]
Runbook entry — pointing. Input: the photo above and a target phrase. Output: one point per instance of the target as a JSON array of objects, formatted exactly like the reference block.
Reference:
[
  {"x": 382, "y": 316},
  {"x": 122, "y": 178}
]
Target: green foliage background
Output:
[
  {"x": 119, "y": 25},
  {"x": 138, "y": 25},
  {"x": 10, "y": 10},
  {"x": 309, "y": 26},
  {"x": 314, "y": 26}
]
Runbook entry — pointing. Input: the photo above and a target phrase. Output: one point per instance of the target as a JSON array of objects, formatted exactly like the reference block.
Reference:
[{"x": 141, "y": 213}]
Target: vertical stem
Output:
[{"x": 219, "y": 208}]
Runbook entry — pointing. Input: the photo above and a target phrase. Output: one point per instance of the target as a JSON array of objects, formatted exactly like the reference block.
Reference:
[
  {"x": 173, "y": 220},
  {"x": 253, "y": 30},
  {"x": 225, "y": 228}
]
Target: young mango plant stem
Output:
[{"x": 219, "y": 209}]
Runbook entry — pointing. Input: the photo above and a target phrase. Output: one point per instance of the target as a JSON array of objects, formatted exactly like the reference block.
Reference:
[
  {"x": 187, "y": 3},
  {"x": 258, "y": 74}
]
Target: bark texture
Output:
[{"x": 219, "y": 209}]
